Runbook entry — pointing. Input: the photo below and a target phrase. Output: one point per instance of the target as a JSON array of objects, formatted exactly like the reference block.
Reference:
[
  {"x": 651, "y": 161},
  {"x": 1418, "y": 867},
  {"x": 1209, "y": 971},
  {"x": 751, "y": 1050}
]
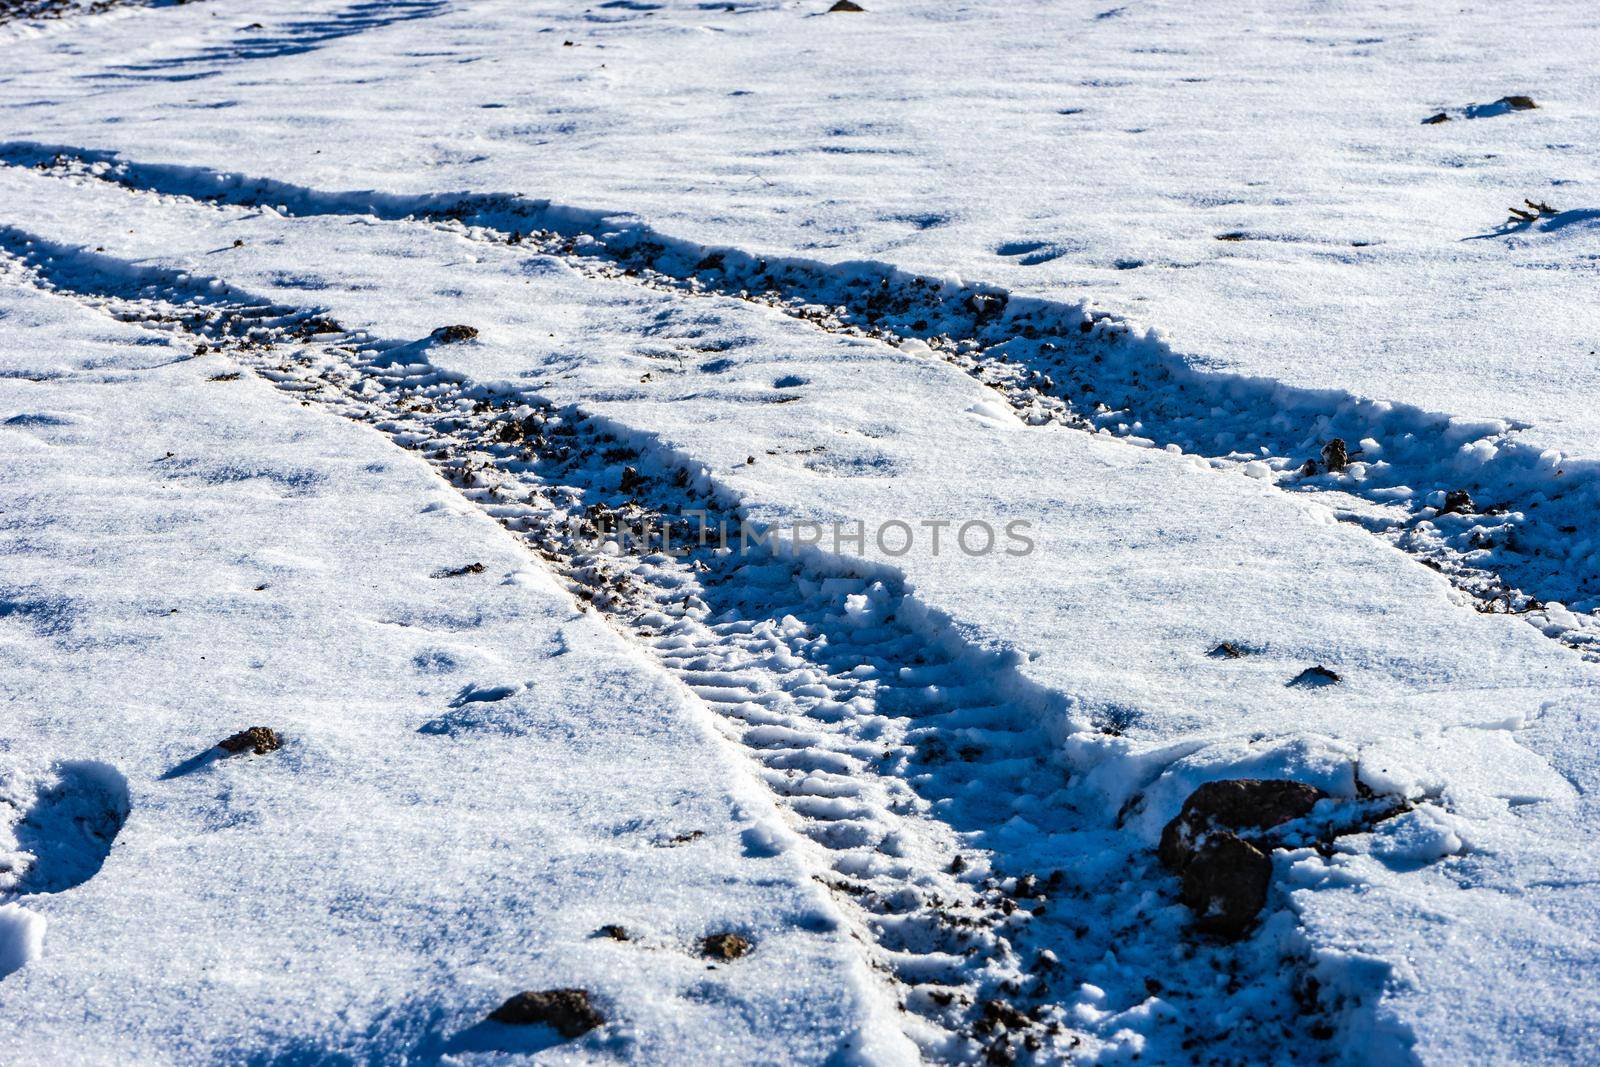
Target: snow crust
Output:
[{"x": 478, "y": 775}]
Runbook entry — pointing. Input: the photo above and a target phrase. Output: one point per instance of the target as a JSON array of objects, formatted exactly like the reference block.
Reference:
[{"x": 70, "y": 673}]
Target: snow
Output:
[
  {"x": 852, "y": 281},
  {"x": 475, "y": 776}
]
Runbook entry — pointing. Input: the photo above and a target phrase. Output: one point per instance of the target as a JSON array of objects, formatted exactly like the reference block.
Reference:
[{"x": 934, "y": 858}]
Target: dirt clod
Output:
[
  {"x": 456, "y": 572},
  {"x": 631, "y": 480},
  {"x": 845, "y": 5},
  {"x": 614, "y": 932},
  {"x": 1335, "y": 456},
  {"x": 1458, "y": 502},
  {"x": 567, "y": 1010},
  {"x": 725, "y": 946},
  {"x": 258, "y": 739},
  {"x": 1434, "y": 120},
  {"x": 1226, "y": 650},
  {"x": 1518, "y": 103},
  {"x": 449, "y": 335}
]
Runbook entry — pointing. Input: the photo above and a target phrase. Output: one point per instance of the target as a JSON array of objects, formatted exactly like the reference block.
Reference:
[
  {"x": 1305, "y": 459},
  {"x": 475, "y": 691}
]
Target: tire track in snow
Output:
[
  {"x": 1015, "y": 918},
  {"x": 1507, "y": 522},
  {"x": 293, "y": 37}
]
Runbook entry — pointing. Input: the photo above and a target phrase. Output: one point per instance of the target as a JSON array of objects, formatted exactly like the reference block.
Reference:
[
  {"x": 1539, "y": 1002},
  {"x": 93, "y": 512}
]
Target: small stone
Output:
[
  {"x": 1434, "y": 120},
  {"x": 1226, "y": 650},
  {"x": 1458, "y": 502},
  {"x": 631, "y": 480},
  {"x": 1225, "y": 883},
  {"x": 725, "y": 946},
  {"x": 1335, "y": 456},
  {"x": 567, "y": 1010},
  {"x": 1315, "y": 678},
  {"x": 614, "y": 932},
  {"x": 1519, "y": 103},
  {"x": 258, "y": 739},
  {"x": 845, "y": 5},
  {"x": 449, "y": 335}
]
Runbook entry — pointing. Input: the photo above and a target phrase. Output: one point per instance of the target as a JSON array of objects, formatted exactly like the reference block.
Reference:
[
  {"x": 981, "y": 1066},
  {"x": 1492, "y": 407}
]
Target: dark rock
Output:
[
  {"x": 1233, "y": 805},
  {"x": 449, "y": 335},
  {"x": 614, "y": 932},
  {"x": 845, "y": 5},
  {"x": 1518, "y": 103},
  {"x": 725, "y": 946},
  {"x": 456, "y": 572},
  {"x": 258, "y": 739},
  {"x": 1225, "y": 882},
  {"x": 1226, "y": 650},
  {"x": 1308, "y": 469},
  {"x": 1334, "y": 455},
  {"x": 567, "y": 1010},
  {"x": 1458, "y": 502},
  {"x": 1315, "y": 678},
  {"x": 631, "y": 480},
  {"x": 712, "y": 261},
  {"x": 1434, "y": 120}
]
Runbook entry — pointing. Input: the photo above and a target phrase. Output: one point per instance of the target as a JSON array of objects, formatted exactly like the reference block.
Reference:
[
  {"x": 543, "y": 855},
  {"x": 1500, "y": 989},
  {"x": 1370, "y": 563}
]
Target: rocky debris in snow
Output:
[
  {"x": 632, "y": 480},
  {"x": 1226, "y": 650},
  {"x": 225, "y": 376},
  {"x": 1335, "y": 456},
  {"x": 258, "y": 739},
  {"x": 1315, "y": 678},
  {"x": 614, "y": 932},
  {"x": 1434, "y": 120},
  {"x": 845, "y": 5},
  {"x": 1219, "y": 843},
  {"x": 998, "y": 1015},
  {"x": 1458, "y": 502},
  {"x": 568, "y": 1011},
  {"x": 725, "y": 946},
  {"x": 449, "y": 335},
  {"x": 456, "y": 572},
  {"x": 313, "y": 325},
  {"x": 1518, "y": 103}
]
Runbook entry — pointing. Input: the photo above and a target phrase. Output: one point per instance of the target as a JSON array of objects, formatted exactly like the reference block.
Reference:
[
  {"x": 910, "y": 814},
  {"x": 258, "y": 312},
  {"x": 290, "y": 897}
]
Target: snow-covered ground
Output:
[{"x": 911, "y": 273}]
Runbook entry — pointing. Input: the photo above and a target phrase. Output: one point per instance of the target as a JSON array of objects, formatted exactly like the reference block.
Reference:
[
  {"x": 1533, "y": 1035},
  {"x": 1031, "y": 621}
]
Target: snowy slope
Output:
[{"x": 974, "y": 754}]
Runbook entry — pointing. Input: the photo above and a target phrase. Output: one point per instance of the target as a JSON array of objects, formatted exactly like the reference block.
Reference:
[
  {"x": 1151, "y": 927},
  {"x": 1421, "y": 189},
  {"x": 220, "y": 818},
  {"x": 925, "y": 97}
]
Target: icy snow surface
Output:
[{"x": 782, "y": 268}]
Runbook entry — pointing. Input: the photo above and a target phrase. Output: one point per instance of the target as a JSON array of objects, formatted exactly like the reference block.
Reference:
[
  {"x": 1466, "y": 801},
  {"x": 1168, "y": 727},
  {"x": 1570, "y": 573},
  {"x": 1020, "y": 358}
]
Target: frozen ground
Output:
[{"x": 780, "y": 268}]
